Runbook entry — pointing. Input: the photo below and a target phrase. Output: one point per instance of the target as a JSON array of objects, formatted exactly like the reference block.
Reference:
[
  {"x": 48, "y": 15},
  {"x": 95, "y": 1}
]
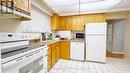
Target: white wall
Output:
[
  {"x": 40, "y": 23},
  {"x": 117, "y": 15},
  {"x": 43, "y": 6}
]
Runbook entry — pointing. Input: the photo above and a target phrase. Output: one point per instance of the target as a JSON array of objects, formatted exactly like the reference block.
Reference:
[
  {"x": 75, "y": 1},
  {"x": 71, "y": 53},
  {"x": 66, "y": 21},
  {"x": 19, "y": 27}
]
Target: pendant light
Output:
[
  {"x": 79, "y": 7},
  {"x": 79, "y": 13}
]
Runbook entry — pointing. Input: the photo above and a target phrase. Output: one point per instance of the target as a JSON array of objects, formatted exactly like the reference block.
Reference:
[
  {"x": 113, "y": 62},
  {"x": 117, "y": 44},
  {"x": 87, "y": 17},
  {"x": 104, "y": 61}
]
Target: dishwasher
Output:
[{"x": 77, "y": 51}]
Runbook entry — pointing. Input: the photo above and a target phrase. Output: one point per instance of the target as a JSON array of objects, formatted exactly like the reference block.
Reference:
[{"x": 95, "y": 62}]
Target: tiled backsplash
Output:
[{"x": 67, "y": 34}]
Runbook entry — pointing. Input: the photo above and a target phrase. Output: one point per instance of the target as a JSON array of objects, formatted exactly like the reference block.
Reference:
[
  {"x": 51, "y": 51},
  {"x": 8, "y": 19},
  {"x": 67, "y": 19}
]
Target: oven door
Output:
[{"x": 30, "y": 63}]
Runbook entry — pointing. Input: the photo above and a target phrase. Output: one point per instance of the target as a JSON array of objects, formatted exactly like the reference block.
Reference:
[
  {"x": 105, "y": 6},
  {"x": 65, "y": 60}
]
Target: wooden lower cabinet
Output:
[
  {"x": 65, "y": 50},
  {"x": 56, "y": 51},
  {"x": 49, "y": 57},
  {"x": 57, "y": 47},
  {"x": 53, "y": 54}
]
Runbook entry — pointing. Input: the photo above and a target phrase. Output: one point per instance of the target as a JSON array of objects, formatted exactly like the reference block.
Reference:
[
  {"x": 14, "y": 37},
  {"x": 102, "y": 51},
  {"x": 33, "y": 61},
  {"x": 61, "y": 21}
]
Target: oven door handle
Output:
[
  {"x": 9, "y": 64},
  {"x": 21, "y": 59}
]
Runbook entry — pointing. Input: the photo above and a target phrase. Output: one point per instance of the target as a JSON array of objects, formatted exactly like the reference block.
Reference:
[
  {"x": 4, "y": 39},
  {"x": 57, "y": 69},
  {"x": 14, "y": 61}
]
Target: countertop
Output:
[
  {"x": 48, "y": 42},
  {"x": 38, "y": 44}
]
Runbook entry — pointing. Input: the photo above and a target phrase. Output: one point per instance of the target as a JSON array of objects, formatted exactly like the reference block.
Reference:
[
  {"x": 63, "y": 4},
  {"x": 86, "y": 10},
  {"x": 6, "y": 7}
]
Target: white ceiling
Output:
[{"x": 71, "y": 7}]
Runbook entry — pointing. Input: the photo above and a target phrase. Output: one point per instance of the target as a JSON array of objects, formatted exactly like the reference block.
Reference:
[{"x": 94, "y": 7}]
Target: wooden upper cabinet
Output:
[
  {"x": 55, "y": 22},
  {"x": 63, "y": 23},
  {"x": 29, "y": 5},
  {"x": 82, "y": 22},
  {"x": 76, "y": 22},
  {"x": 100, "y": 18},
  {"x": 68, "y": 23},
  {"x": 23, "y": 5}
]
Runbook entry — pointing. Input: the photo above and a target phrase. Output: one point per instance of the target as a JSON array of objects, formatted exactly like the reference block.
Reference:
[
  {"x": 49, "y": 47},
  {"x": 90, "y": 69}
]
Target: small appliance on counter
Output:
[{"x": 46, "y": 36}]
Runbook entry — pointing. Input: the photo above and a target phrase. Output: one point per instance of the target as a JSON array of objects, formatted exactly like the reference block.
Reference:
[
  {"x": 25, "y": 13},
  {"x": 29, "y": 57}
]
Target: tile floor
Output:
[{"x": 113, "y": 65}]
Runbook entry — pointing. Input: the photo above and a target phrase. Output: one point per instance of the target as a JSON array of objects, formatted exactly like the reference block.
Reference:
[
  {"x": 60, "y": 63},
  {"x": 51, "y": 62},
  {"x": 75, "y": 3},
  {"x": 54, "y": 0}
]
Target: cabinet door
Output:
[
  {"x": 63, "y": 23},
  {"x": 23, "y": 4},
  {"x": 98, "y": 18},
  {"x": 78, "y": 26},
  {"x": 54, "y": 54},
  {"x": 74, "y": 23},
  {"x": 55, "y": 22},
  {"x": 68, "y": 23},
  {"x": 26, "y": 5},
  {"x": 58, "y": 50},
  {"x": 29, "y": 5},
  {"x": 18, "y": 3},
  {"x": 49, "y": 57},
  {"x": 81, "y": 23},
  {"x": 65, "y": 50}
]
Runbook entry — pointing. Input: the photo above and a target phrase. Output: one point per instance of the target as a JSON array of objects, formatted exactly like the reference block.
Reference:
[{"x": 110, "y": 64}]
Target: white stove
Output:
[{"x": 20, "y": 57}]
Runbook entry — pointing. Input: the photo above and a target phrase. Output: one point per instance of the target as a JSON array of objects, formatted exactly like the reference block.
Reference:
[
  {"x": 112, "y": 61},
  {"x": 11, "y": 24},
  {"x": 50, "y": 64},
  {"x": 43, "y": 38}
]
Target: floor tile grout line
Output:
[
  {"x": 64, "y": 67},
  {"x": 116, "y": 63}
]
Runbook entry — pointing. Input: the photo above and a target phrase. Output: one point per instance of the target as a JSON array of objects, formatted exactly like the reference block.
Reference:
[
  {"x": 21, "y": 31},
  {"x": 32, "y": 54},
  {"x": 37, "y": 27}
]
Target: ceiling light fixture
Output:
[
  {"x": 79, "y": 7},
  {"x": 79, "y": 13}
]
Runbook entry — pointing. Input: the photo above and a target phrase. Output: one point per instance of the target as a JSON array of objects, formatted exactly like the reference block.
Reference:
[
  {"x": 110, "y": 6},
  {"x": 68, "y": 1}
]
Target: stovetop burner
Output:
[{"x": 21, "y": 50}]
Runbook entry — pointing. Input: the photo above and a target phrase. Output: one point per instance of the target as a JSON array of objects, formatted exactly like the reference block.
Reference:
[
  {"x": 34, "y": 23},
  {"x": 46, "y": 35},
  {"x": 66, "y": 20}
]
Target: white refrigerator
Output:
[{"x": 95, "y": 38}]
